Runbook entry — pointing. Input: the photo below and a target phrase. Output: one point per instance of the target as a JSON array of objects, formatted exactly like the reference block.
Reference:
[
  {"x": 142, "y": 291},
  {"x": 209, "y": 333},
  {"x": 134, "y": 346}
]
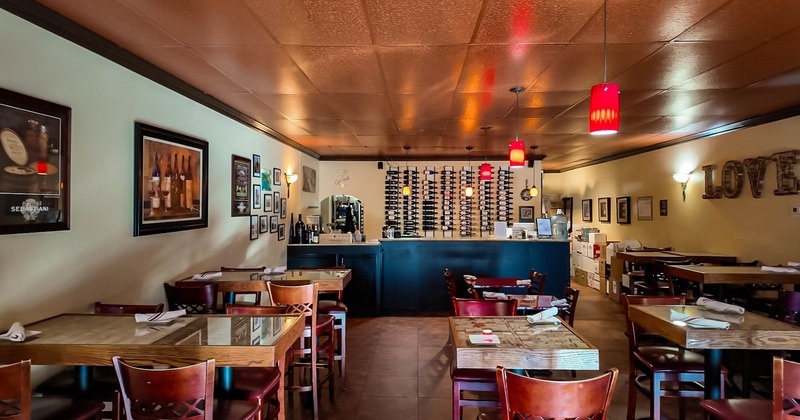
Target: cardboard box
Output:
[
  {"x": 580, "y": 277},
  {"x": 603, "y": 284},
  {"x": 597, "y": 238},
  {"x": 614, "y": 291}
]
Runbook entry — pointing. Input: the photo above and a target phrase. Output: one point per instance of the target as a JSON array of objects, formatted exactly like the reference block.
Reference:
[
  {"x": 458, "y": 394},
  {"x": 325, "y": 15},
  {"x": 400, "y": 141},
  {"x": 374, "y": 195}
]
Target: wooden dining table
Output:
[
  {"x": 522, "y": 345},
  {"x": 755, "y": 332},
  {"x": 530, "y": 302},
  {"x": 85, "y": 340},
  {"x": 710, "y": 274},
  {"x": 232, "y": 282}
]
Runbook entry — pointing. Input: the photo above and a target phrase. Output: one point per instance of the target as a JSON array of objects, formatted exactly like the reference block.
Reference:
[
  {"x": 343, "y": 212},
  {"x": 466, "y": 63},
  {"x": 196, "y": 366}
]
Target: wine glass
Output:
[
  {"x": 152, "y": 189},
  {"x": 165, "y": 193}
]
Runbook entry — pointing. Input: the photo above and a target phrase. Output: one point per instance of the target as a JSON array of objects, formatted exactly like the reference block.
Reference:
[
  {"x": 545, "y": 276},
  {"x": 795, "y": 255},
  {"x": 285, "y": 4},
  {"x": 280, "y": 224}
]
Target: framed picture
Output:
[
  {"x": 34, "y": 152},
  {"x": 309, "y": 179},
  {"x": 256, "y": 166},
  {"x": 604, "y": 209},
  {"x": 662, "y": 207},
  {"x": 623, "y": 210},
  {"x": 526, "y": 214},
  {"x": 273, "y": 224},
  {"x": 586, "y": 210},
  {"x": 240, "y": 186},
  {"x": 256, "y": 196},
  {"x": 276, "y": 198},
  {"x": 283, "y": 208},
  {"x": 276, "y": 176},
  {"x": 168, "y": 197},
  {"x": 267, "y": 202},
  {"x": 644, "y": 208},
  {"x": 263, "y": 224},
  {"x": 266, "y": 182},
  {"x": 281, "y": 231},
  {"x": 253, "y": 227}
]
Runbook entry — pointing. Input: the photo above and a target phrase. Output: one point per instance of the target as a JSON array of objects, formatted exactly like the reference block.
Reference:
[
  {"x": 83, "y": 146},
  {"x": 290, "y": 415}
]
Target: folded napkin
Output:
[
  {"x": 18, "y": 333},
  {"x": 469, "y": 277},
  {"x": 523, "y": 282},
  {"x": 696, "y": 322},
  {"x": 780, "y": 269},
  {"x": 558, "y": 302},
  {"x": 547, "y": 316},
  {"x": 727, "y": 317},
  {"x": 275, "y": 270},
  {"x": 495, "y": 295},
  {"x": 207, "y": 276},
  {"x": 160, "y": 316},
  {"x": 719, "y": 306}
]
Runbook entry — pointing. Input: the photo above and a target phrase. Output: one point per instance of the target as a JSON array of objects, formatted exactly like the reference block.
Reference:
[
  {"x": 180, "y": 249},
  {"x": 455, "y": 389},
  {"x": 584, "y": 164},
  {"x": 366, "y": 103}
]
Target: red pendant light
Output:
[
  {"x": 516, "y": 149},
  {"x": 485, "y": 172},
  {"x": 604, "y": 103}
]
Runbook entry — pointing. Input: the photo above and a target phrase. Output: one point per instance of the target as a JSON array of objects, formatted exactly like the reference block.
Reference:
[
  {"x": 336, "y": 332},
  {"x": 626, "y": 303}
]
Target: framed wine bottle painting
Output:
[
  {"x": 34, "y": 164},
  {"x": 171, "y": 181}
]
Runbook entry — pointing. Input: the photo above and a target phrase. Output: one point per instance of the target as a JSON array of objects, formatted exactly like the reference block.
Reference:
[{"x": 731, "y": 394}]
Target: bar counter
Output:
[{"x": 406, "y": 274}]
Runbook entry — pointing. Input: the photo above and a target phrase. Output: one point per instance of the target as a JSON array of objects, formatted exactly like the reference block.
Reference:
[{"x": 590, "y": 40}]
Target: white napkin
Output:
[
  {"x": 558, "y": 302},
  {"x": 727, "y": 317},
  {"x": 696, "y": 322},
  {"x": 275, "y": 270},
  {"x": 18, "y": 333},
  {"x": 547, "y": 316},
  {"x": 496, "y": 295},
  {"x": 523, "y": 282},
  {"x": 207, "y": 276},
  {"x": 160, "y": 316},
  {"x": 779, "y": 269},
  {"x": 719, "y": 306},
  {"x": 469, "y": 277}
]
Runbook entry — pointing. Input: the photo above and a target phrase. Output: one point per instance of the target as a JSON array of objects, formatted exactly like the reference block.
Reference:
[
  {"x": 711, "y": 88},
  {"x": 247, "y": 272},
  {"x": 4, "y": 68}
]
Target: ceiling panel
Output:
[
  {"x": 358, "y": 106},
  {"x": 301, "y": 107},
  {"x": 314, "y": 22},
  {"x": 432, "y": 106},
  {"x": 340, "y": 69},
  {"x": 324, "y": 128},
  {"x": 498, "y": 68},
  {"x": 260, "y": 69},
  {"x": 536, "y": 21},
  {"x": 186, "y": 64},
  {"x": 745, "y": 20},
  {"x": 429, "y": 69},
  {"x": 415, "y": 22}
]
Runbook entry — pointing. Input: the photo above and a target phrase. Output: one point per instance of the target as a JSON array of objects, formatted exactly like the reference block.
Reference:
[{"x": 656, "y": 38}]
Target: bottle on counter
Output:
[
  {"x": 314, "y": 236},
  {"x": 291, "y": 228},
  {"x": 300, "y": 230},
  {"x": 559, "y": 223}
]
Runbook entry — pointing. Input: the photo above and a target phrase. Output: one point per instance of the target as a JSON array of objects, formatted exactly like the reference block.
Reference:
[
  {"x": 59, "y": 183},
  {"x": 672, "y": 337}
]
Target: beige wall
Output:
[
  {"x": 750, "y": 228},
  {"x": 44, "y": 274}
]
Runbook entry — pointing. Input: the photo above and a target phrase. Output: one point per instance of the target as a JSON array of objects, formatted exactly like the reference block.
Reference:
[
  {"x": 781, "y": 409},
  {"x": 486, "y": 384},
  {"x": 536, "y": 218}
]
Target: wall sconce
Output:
[
  {"x": 290, "y": 179},
  {"x": 683, "y": 179}
]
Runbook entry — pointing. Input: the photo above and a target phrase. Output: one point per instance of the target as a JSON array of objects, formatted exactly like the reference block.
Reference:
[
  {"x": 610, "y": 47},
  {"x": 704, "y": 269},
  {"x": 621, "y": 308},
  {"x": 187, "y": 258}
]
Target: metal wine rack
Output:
[
  {"x": 447, "y": 180},
  {"x": 466, "y": 205},
  {"x": 429, "y": 205},
  {"x": 391, "y": 194},
  {"x": 410, "y": 202},
  {"x": 504, "y": 195},
  {"x": 485, "y": 201}
]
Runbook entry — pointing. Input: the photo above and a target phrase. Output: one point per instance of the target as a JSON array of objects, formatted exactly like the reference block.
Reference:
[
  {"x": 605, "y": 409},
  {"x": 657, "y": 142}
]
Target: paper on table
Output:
[
  {"x": 780, "y": 269},
  {"x": 275, "y": 270},
  {"x": 495, "y": 295},
  {"x": 546, "y": 316},
  {"x": 160, "y": 317},
  {"x": 18, "y": 333},
  {"x": 727, "y": 317},
  {"x": 558, "y": 302},
  {"x": 469, "y": 277},
  {"x": 207, "y": 276},
  {"x": 523, "y": 282},
  {"x": 719, "y": 306},
  {"x": 696, "y": 322}
]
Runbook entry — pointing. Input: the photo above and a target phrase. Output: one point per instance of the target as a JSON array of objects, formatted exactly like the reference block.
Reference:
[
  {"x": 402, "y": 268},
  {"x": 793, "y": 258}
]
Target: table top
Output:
[
  {"x": 712, "y": 274},
  {"x": 755, "y": 332},
  {"x": 703, "y": 254},
  {"x": 530, "y": 302},
  {"x": 498, "y": 282},
  {"x": 255, "y": 281},
  {"x": 647, "y": 257},
  {"x": 92, "y": 340},
  {"x": 522, "y": 345}
]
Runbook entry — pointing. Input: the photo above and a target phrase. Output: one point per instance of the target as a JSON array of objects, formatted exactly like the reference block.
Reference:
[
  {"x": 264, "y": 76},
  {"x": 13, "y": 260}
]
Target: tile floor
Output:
[{"x": 398, "y": 367}]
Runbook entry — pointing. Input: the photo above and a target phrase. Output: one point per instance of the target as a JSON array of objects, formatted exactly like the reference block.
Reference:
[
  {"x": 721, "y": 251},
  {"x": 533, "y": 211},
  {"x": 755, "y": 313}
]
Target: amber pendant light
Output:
[
  {"x": 516, "y": 149},
  {"x": 533, "y": 191},
  {"x": 469, "y": 191},
  {"x": 604, "y": 103}
]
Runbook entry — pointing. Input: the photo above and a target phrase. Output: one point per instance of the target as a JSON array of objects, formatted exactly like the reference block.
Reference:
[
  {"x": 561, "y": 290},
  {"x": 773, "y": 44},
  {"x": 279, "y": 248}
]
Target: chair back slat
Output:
[
  {"x": 255, "y": 310},
  {"x": 537, "y": 282},
  {"x": 15, "y": 391},
  {"x": 194, "y": 297},
  {"x": 568, "y": 314},
  {"x": 485, "y": 307},
  {"x": 116, "y": 308}
]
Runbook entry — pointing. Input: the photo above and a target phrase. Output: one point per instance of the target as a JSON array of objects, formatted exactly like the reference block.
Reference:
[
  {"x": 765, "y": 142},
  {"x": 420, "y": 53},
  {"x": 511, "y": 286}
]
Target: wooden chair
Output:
[
  {"x": 178, "y": 393},
  {"x": 303, "y": 300},
  {"x": 104, "y": 385},
  {"x": 661, "y": 364},
  {"x": 534, "y": 398},
  {"x": 477, "y": 380},
  {"x": 256, "y": 295},
  {"x": 638, "y": 274},
  {"x": 16, "y": 402},
  {"x": 785, "y": 402},
  {"x": 450, "y": 282},
  {"x": 257, "y": 384},
  {"x": 537, "y": 282},
  {"x": 194, "y": 297},
  {"x": 568, "y": 313},
  {"x": 338, "y": 310}
]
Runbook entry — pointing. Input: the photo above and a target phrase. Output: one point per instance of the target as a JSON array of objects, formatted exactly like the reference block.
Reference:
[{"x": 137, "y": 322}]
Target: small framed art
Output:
[
  {"x": 253, "y": 227},
  {"x": 526, "y": 214},
  {"x": 283, "y": 208},
  {"x": 623, "y": 210},
  {"x": 256, "y": 196},
  {"x": 276, "y": 176},
  {"x": 662, "y": 207},
  {"x": 263, "y": 224},
  {"x": 240, "y": 186},
  {"x": 644, "y": 208},
  {"x": 273, "y": 224},
  {"x": 256, "y": 166},
  {"x": 281, "y": 231},
  {"x": 604, "y": 209},
  {"x": 267, "y": 202},
  {"x": 276, "y": 199},
  {"x": 586, "y": 210}
]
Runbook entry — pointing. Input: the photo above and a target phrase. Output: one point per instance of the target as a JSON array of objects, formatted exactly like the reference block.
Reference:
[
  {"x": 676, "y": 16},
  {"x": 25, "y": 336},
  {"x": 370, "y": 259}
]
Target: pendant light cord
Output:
[
  {"x": 604, "y": 41},
  {"x": 517, "y": 92}
]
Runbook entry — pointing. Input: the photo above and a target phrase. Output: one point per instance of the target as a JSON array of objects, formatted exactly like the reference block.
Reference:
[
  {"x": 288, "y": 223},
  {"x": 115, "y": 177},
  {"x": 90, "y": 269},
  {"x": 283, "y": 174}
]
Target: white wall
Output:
[{"x": 44, "y": 274}]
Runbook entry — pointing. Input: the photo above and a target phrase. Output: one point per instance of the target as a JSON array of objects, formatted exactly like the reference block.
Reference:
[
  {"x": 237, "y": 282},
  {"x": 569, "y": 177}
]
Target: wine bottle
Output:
[
  {"x": 300, "y": 230},
  {"x": 176, "y": 184},
  {"x": 167, "y": 187},
  {"x": 291, "y": 228},
  {"x": 182, "y": 175},
  {"x": 155, "y": 179},
  {"x": 189, "y": 186}
]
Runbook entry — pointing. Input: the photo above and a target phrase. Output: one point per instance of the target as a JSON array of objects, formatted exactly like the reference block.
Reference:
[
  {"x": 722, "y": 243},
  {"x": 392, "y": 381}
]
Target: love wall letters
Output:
[{"x": 733, "y": 174}]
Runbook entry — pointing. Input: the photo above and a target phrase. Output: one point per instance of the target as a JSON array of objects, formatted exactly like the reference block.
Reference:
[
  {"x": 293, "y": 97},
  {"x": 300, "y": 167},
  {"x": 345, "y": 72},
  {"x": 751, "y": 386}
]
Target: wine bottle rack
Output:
[
  {"x": 504, "y": 194},
  {"x": 485, "y": 201},
  {"x": 429, "y": 205},
  {"x": 391, "y": 196},
  {"x": 467, "y": 203},
  {"x": 410, "y": 202},
  {"x": 447, "y": 180}
]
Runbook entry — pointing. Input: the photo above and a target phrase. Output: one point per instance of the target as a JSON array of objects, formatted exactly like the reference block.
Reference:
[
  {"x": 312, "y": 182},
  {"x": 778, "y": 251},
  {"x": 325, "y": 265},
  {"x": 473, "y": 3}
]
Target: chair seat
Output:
[
  {"x": 55, "y": 408},
  {"x": 472, "y": 375},
  {"x": 330, "y": 306},
  {"x": 739, "y": 409},
  {"x": 235, "y": 410},
  {"x": 252, "y": 383},
  {"x": 670, "y": 359}
]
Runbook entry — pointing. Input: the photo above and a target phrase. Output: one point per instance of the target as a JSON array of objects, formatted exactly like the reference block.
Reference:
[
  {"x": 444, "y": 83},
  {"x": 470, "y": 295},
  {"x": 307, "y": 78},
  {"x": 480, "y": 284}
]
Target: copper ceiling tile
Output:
[
  {"x": 362, "y": 152},
  {"x": 645, "y": 21},
  {"x": 666, "y": 124},
  {"x": 286, "y": 127},
  {"x": 432, "y": 106},
  {"x": 708, "y": 123},
  {"x": 340, "y": 69},
  {"x": 324, "y": 127},
  {"x": 416, "y": 22},
  {"x": 397, "y": 142},
  {"x": 113, "y": 20},
  {"x": 485, "y": 106},
  {"x": 359, "y": 106},
  {"x": 429, "y": 69},
  {"x": 643, "y": 125},
  {"x": 563, "y": 125},
  {"x": 328, "y": 141},
  {"x": 766, "y": 60},
  {"x": 790, "y": 78},
  {"x": 677, "y": 62},
  {"x": 262, "y": 69},
  {"x": 421, "y": 127},
  {"x": 536, "y": 99},
  {"x": 508, "y": 127},
  {"x": 628, "y": 99},
  {"x": 314, "y": 22},
  {"x": 372, "y": 127},
  {"x": 206, "y": 22},
  {"x": 540, "y": 112},
  {"x": 746, "y": 20},
  {"x": 668, "y": 102},
  {"x": 250, "y": 105},
  {"x": 300, "y": 107},
  {"x": 539, "y": 21},
  {"x": 498, "y": 68},
  {"x": 743, "y": 103},
  {"x": 186, "y": 64}
]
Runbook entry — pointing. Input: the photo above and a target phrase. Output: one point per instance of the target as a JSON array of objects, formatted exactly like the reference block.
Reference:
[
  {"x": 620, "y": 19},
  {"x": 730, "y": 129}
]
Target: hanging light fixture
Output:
[
  {"x": 516, "y": 149},
  {"x": 407, "y": 184},
  {"x": 486, "y": 169},
  {"x": 534, "y": 191},
  {"x": 468, "y": 190},
  {"x": 604, "y": 102}
]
